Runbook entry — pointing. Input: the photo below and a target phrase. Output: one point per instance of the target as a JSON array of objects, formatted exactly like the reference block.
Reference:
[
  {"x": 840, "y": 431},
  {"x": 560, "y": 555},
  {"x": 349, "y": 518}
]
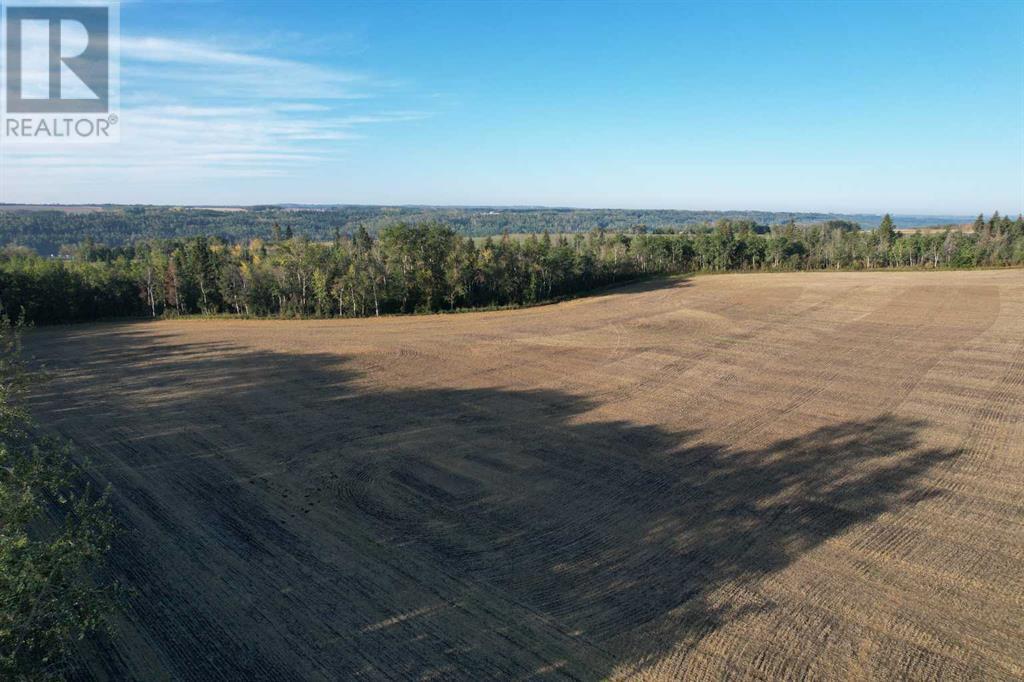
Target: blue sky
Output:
[{"x": 859, "y": 107}]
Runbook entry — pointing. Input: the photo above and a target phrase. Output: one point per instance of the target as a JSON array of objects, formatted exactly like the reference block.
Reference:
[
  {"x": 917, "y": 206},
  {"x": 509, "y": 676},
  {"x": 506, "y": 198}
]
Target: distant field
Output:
[
  {"x": 522, "y": 236},
  {"x": 67, "y": 208},
  {"x": 966, "y": 229},
  {"x": 800, "y": 476}
]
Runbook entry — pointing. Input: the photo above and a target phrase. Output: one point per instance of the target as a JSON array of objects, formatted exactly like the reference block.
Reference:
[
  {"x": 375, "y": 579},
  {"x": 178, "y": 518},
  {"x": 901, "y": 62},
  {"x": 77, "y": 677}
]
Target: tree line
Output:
[
  {"x": 45, "y": 229},
  {"x": 431, "y": 267}
]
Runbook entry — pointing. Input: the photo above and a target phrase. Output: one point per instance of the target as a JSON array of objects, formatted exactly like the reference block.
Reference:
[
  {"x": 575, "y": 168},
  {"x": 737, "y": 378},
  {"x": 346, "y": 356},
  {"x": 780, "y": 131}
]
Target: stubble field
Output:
[{"x": 806, "y": 476}]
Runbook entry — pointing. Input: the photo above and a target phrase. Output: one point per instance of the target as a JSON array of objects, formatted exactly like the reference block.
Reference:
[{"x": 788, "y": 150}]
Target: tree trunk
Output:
[{"x": 149, "y": 290}]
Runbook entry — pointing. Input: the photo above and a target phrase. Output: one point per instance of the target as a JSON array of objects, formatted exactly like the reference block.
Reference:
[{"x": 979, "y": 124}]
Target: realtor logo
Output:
[
  {"x": 90, "y": 66},
  {"x": 60, "y": 60}
]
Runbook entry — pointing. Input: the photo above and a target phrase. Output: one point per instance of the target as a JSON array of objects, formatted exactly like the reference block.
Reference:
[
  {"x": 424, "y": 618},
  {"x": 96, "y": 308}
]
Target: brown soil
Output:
[{"x": 806, "y": 476}]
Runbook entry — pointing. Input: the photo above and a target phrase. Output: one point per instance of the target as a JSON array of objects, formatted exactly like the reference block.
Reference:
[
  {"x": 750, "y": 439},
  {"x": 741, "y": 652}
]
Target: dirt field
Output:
[
  {"x": 807, "y": 476},
  {"x": 966, "y": 229}
]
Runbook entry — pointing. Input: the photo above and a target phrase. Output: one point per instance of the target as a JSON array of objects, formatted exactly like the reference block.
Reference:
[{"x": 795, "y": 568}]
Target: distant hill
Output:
[{"x": 46, "y": 227}]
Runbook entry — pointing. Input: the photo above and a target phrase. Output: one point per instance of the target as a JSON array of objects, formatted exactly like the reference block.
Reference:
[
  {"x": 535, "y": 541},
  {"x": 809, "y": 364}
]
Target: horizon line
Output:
[{"x": 517, "y": 207}]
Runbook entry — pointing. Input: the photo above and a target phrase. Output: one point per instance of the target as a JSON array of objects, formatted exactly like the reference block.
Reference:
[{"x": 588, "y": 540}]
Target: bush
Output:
[{"x": 53, "y": 532}]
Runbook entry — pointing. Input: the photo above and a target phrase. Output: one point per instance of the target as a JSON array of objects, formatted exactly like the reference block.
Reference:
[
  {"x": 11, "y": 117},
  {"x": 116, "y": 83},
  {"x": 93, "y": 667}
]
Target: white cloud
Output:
[
  {"x": 303, "y": 106},
  {"x": 194, "y": 111},
  {"x": 213, "y": 71},
  {"x": 153, "y": 49}
]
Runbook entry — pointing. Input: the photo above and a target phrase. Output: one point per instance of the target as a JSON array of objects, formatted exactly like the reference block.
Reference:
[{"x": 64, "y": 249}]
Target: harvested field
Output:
[
  {"x": 967, "y": 228},
  {"x": 806, "y": 476}
]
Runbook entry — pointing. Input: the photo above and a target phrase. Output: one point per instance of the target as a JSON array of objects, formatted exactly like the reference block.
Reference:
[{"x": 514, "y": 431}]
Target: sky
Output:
[{"x": 835, "y": 107}]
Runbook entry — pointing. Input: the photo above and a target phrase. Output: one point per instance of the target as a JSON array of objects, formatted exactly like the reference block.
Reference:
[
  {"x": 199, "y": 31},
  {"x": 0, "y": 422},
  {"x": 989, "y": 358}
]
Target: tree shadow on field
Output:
[
  {"x": 643, "y": 284},
  {"x": 285, "y": 521}
]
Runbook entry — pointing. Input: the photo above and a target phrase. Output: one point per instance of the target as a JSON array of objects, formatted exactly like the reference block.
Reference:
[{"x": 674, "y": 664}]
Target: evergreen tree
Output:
[
  {"x": 979, "y": 225},
  {"x": 886, "y": 230},
  {"x": 995, "y": 224}
]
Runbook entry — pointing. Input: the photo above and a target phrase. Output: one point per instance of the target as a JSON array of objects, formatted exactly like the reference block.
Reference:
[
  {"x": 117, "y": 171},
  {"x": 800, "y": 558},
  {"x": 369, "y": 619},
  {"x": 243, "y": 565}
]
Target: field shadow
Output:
[
  {"x": 643, "y": 284},
  {"x": 285, "y": 520}
]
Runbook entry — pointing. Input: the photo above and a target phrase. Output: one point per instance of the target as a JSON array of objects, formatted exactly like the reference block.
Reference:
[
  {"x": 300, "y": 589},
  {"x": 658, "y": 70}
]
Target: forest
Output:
[
  {"x": 431, "y": 267},
  {"x": 46, "y": 228}
]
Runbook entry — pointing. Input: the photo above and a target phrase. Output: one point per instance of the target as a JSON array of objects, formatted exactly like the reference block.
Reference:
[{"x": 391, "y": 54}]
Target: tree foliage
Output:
[
  {"x": 45, "y": 229},
  {"x": 431, "y": 267},
  {"x": 53, "y": 531}
]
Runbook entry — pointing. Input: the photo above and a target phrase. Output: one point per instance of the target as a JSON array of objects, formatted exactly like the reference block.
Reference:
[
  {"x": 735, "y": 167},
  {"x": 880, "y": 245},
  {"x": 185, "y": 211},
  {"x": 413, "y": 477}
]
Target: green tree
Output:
[
  {"x": 321, "y": 295},
  {"x": 886, "y": 232},
  {"x": 149, "y": 266},
  {"x": 53, "y": 531},
  {"x": 979, "y": 225}
]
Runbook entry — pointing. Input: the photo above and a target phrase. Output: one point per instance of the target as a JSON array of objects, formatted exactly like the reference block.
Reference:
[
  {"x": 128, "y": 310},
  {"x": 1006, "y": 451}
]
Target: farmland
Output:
[{"x": 763, "y": 476}]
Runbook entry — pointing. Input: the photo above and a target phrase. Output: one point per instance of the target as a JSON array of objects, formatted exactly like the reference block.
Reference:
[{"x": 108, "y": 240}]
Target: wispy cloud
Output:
[
  {"x": 193, "y": 110},
  {"x": 216, "y": 71},
  {"x": 154, "y": 49}
]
